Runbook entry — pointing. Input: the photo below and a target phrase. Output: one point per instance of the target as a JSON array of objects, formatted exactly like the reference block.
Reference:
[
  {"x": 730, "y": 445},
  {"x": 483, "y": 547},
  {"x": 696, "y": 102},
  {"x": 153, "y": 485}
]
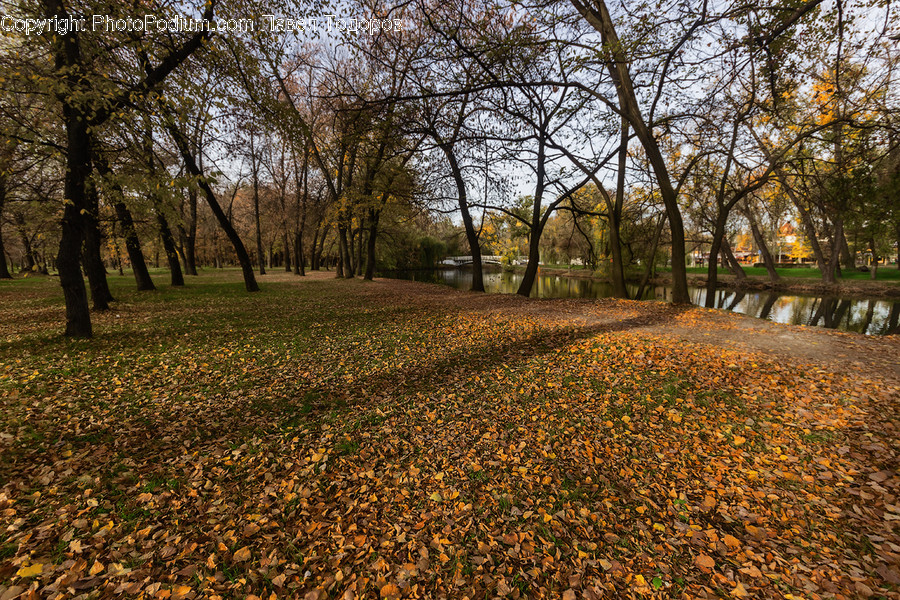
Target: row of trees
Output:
[{"x": 558, "y": 121}]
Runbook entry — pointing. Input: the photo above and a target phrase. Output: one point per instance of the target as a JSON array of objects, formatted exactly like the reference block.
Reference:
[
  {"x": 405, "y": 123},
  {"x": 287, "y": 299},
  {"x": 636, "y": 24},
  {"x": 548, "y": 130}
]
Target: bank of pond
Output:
[{"x": 870, "y": 316}]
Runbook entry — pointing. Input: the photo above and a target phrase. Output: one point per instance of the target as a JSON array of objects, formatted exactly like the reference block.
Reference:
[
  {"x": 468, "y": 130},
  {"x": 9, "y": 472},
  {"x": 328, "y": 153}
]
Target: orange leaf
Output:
[{"x": 706, "y": 563}]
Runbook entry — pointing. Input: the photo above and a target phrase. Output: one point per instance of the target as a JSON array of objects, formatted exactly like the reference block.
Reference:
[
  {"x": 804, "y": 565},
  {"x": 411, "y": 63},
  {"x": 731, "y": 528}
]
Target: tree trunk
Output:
[
  {"x": 133, "y": 247},
  {"x": 339, "y": 266},
  {"x": 91, "y": 259},
  {"x": 848, "y": 262},
  {"x": 239, "y": 249},
  {"x": 117, "y": 251},
  {"x": 299, "y": 267},
  {"x": 733, "y": 265},
  {"x": 4, "y": 270},
  {"x": 132, "y": 243},
  {"x": 314, "y": 255},
  {"x": 259, "y": 244},
  {"x": 344, "y": 249},
  {"x": 165, "y": 231},
  {"x": 808, "y": 227},
  {"x": 712, "y": 268},
  {"x": 537, "y": 225},
  {"x": 370, "y": 247},
  {"x": 597, "y": 15},
  {"x": 359, "y": 252},
  {"x": 468, "y": 223},
  {"x": 617, "y": 270},
  {"x": 873, "y": 272},
  {"x": 288, "y": 255},
  {"x": 67, "y": 56},
  {"x": 321, "y": 250},
  {"x": 893, "y": 325},
  {"x": 763, "y": 248},
  {"x": 171, "y": 252},
  {"x": 531, "y": 269},
  {"x": 190, "y": 237},
  {"x": 828, "y": 276}
]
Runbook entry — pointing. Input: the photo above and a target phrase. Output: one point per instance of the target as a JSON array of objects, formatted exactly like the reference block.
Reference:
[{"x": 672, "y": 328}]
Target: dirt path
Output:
[{"x": 870, "y": 356}]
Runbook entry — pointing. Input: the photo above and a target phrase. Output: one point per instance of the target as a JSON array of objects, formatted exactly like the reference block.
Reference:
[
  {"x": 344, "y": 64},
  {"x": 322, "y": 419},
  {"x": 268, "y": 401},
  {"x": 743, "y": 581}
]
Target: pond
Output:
[{"x": 861, "y": 315}]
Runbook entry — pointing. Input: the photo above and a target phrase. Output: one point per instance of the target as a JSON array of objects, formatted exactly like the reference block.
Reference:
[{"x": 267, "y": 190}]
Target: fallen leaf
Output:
[{"x": 243, "y": 554}]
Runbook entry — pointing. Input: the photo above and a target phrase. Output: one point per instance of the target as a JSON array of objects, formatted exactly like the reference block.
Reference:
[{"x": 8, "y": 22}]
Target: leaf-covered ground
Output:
[{"x": 349, "y": 439}]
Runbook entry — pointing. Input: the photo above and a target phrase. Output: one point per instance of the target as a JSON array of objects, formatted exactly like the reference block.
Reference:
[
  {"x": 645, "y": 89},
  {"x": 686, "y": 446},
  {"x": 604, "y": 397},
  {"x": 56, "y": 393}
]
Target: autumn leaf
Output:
[
  {"x": 706, "y": 563},
  {"x": 32, "y": 570},
  {"x": 242, "y": 554},
  {"x": 179, "y": 592}
]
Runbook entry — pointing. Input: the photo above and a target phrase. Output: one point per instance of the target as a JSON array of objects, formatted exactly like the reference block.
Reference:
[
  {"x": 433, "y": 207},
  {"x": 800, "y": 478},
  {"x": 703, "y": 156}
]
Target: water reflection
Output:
[{"x": 868, "y": 316}]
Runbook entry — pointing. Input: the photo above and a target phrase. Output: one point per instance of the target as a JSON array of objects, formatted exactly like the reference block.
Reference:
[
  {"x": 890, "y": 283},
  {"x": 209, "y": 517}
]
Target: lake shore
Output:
[{"x": 850, "y": 288}]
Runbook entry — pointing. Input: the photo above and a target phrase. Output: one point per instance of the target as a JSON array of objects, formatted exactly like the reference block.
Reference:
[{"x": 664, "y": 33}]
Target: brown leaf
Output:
[
  {"x": 242, "y": 555},
  {"x": 705, "y": 563}
]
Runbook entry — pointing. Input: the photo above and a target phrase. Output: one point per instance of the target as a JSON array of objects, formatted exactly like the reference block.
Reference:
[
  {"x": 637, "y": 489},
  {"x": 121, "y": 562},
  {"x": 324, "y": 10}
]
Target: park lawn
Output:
[{"x": 329, "y": 439}]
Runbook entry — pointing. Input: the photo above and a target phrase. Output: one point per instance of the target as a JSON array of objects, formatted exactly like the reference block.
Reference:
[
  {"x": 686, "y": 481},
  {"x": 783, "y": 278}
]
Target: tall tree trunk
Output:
[
  {"x": 763, "y": 248},
  {"x": 259, "y": 244},
  {"x": 67, "y": 56},
  {"x": 848, "y": 262},
  {"x": 370, "y": 248},
  {"x": 188, "y": 233},
  {"x": 314, "y": 255},
  {"x": 133, "y": 247},
  {"x": 321, "y": 250},
  {"x": 192, "y": 168},
  {"x": 91, "y": 258},
  {"x": 165, "y": 231},
  {"x": 339, "y": 266},
  {"x": 468, "y": 223},
  {"x": 299, "y": 266},
  {"x": 288, "y": 255},
  {"x": 359, "y": 252},
  {"x": 712, "y": 269},
  {"x": 597, "y": 15},
  {"x": 190, "y": 240},
  {"x": 344, "y": 249},
  {"x": 534, "y": 238},
  {"x": 129, "y": 232},
  {"x": 617, "y": 270},
  {"x": 4, "y": 270},
  {"x": 531, "y": 269},
  {"x": 117, "y": 251},
  {"x": 168, "y": 241},
  {"x": 828, "y": 276}
]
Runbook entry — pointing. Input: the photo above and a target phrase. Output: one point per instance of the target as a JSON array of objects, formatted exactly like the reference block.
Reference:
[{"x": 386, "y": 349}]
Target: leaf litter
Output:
[{"x": 403, "y": 442}]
